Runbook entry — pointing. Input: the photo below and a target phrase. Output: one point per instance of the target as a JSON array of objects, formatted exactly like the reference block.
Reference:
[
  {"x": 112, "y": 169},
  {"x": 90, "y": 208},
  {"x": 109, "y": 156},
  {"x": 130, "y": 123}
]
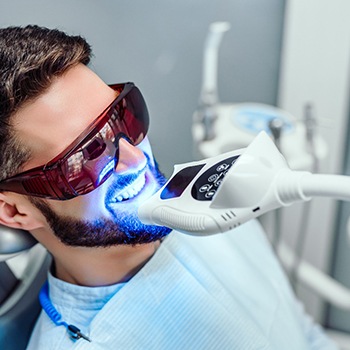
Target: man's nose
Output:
[{"x": 130, "y": 157}]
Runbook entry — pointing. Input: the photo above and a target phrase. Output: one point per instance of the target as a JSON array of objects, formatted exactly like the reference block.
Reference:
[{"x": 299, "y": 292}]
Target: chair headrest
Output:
[{"x": 14, "y": 241}]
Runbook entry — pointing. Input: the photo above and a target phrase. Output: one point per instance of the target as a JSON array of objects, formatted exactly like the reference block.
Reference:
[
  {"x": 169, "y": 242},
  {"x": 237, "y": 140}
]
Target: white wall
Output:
[{"x": 315, "y": 68}]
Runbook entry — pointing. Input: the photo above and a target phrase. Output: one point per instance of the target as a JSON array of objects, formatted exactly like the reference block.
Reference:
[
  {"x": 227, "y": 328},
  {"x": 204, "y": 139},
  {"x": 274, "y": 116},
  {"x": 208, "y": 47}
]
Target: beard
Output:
[{"x": 125, "y": 227}]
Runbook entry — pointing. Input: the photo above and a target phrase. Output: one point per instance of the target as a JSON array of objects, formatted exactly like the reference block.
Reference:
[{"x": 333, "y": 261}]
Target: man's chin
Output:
[
  {"x": 128, "y": 226},
  {"x": 106, "y": 233}
]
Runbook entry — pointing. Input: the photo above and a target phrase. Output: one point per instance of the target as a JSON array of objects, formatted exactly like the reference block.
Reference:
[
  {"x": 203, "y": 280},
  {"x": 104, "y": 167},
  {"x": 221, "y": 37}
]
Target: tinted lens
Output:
[
  {"x": 131, "y": 116},
  {"x": 96, "y": 157},
  {"x": 91, "y": 159}
]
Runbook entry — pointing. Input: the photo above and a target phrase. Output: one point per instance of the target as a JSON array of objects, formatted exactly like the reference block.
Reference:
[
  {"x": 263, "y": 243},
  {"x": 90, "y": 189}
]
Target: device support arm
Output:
[
  {"x": 323, "y": 185},
  {"x": 294, "y": 186}
]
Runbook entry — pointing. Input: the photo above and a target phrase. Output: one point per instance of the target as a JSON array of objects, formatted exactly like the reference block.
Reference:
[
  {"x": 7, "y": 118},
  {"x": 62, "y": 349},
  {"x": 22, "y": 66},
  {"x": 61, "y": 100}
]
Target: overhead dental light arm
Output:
[
  {"x": 220, "y": 193},
  {"x": 209, "y": 99},
  {"x": 209, "y": 93}
]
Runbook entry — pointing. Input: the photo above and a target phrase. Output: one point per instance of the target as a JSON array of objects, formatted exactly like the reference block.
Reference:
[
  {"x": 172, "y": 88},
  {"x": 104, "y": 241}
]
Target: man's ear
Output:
[{"x": 16, "y": 212}]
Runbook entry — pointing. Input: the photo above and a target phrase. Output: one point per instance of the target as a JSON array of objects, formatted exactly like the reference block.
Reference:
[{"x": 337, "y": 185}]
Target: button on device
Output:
[
  {"x": 205, "y": 188},
  {"x": 210, "y": 194},
  {"x": 207, "y": 183},
  {"x": 213, "y": 177},
  {"x": 222, "y": 167},
  {"x": 218, "y": 183}
]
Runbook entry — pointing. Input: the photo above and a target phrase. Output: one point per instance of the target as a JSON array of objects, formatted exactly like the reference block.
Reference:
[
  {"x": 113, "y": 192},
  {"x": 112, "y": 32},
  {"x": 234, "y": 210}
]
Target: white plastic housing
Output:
[{"x": 247, "y": 190}]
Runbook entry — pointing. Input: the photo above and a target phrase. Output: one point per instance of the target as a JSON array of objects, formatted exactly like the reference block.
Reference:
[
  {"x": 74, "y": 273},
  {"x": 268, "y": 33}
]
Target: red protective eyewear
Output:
[{"x": 90, "y": 160}]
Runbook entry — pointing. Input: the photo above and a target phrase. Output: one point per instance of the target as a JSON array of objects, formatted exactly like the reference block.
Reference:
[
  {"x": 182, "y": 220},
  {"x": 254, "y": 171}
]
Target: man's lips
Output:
[{"x": 132, "y": 190}]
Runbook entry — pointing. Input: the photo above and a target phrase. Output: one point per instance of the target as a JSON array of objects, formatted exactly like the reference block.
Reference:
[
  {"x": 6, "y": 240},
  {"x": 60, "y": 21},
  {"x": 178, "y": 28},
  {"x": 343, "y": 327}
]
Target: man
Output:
[{"x": 75, "y": 165}]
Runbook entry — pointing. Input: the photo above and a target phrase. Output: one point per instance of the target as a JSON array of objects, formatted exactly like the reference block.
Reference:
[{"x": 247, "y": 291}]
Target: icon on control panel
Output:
[
  {"x": 207, "y": 184},
  {"x": 205, "y": 188}
]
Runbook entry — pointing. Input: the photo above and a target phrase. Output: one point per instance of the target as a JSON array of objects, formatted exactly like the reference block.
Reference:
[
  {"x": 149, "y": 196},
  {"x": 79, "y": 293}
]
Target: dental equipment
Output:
[
  {"x": 220, "y": 193},
  {"x": 220, "y": 127},
  {"x": 209, "y": 92}
]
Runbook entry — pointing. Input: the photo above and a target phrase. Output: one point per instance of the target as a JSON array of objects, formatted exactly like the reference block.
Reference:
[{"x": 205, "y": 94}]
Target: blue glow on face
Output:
[
  {"x": 127, "y": 219},
  {"x": 124, "y": 227}
]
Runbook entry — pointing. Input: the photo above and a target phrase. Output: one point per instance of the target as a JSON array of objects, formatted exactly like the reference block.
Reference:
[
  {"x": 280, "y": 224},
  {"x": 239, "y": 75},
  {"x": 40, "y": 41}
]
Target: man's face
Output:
[{"x": 107, "y": 215}]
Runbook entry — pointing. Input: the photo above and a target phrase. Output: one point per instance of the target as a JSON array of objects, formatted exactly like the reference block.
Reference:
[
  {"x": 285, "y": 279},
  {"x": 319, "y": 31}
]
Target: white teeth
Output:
[{"x": 133, "y": 189}]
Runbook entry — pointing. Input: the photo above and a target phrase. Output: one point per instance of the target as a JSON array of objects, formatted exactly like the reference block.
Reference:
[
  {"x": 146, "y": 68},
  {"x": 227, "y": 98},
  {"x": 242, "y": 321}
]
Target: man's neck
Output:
[{"x": 102, "y": 266}]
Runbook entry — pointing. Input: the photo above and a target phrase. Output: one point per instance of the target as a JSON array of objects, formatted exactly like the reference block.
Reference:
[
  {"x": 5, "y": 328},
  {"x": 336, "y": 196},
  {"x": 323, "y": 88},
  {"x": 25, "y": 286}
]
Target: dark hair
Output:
[{"x": 30, "y": 58}]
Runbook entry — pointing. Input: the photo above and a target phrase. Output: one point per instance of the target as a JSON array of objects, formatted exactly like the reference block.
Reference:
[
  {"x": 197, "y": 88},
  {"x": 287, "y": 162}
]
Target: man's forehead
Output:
[{"x": 48, "y": 124}]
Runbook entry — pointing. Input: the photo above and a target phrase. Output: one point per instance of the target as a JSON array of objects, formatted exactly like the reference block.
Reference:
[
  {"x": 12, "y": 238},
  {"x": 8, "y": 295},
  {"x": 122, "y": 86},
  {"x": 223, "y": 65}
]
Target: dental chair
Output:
[{"x": 23, "y": 270}]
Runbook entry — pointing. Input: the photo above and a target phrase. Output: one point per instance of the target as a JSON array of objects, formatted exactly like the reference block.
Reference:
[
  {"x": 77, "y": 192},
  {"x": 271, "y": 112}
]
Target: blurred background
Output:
[{"x": 282, "y": 53}]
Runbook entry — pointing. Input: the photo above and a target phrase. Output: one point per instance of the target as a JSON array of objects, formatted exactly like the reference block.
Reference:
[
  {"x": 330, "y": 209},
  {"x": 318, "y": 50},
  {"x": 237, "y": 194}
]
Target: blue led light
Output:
[{"x": 106, "y": 170}]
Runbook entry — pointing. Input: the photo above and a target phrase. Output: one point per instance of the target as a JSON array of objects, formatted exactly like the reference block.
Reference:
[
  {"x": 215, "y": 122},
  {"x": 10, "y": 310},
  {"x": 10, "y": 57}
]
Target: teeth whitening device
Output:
[{"x": 220, "y": 193}]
